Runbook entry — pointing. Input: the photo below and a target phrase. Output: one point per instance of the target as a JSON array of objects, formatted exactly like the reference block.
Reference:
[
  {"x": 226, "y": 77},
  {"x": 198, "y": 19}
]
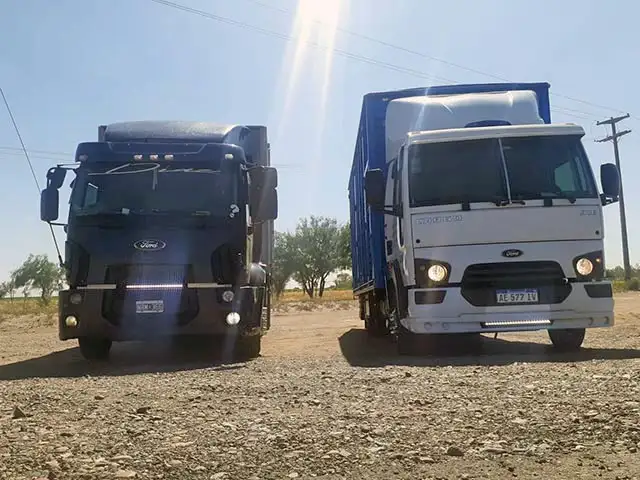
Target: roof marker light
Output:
[
  {"x": 228, "y": 156},
  {"x": 153, "y": 157},
  {"x": 137, "y": 157},
  {"x": 168, "y": 157}
]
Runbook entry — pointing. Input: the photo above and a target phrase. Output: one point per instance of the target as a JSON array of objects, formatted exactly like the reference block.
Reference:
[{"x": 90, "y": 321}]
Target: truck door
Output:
[
  {"x": 389, "y": 220},
  {"x": 394, "y": 243}
]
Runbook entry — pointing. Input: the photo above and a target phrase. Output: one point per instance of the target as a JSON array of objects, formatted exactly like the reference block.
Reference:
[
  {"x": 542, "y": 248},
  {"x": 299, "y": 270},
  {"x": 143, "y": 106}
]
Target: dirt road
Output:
[{"x": 323, "y": 402}]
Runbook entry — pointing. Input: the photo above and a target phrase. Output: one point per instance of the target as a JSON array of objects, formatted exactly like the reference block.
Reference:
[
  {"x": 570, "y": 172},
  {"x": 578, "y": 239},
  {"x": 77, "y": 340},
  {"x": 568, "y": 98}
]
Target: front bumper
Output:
[
  {"x": 208, "y": 318},
  {"x": 445, "y": 310}
]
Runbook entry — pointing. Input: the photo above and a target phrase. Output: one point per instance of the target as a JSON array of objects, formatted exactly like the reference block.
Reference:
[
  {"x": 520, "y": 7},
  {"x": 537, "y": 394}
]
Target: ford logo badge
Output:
[
  {"x": 149, "y": 245},
  {"x": 512, "y": 253}
]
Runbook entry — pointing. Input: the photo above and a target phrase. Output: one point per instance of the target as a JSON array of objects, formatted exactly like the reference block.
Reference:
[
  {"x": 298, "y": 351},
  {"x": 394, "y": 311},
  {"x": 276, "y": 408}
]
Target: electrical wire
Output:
[
  {"x": 580, "y": 114},
  {"x": 33, "y": 172},
  {"x": 424, "y": 55}
]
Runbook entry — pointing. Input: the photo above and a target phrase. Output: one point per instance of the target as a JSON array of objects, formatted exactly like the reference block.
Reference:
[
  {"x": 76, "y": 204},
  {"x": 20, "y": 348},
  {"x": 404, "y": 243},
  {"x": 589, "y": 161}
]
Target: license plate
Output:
[
  {"x": 529, "y": 295},
  {"x": 149, "y": 306}
]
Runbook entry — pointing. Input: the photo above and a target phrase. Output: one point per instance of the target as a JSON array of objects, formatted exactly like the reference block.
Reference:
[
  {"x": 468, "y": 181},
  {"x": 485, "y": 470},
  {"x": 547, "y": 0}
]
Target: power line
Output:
[
  {"x": 13, "y": 151},
  {"x": 33, "y": 173},
  {"x": 344, "y": 53},
  {"x": 615, "y": 135},
  {"x": 566, "y": 111},
  {"x": 282, "y": 36},
  {"x": 422, "y": 54},
  {"x": 47, "y": 152}
]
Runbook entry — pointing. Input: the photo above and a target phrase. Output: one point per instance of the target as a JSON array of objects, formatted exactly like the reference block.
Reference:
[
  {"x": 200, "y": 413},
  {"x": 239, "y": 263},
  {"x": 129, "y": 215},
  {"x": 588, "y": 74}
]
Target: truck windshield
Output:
[
  {"x": 474, "y": 170},
  {"x": 152, "y": 188}
]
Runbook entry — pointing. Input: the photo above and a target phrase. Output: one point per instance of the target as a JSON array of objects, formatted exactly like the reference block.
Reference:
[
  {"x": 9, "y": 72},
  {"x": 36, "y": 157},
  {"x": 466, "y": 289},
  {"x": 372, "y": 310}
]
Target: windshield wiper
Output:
[
  {"x": 114, "y": 213},
  {"x": 192, "y": 213},
  {"x": 548, "y": 196}
]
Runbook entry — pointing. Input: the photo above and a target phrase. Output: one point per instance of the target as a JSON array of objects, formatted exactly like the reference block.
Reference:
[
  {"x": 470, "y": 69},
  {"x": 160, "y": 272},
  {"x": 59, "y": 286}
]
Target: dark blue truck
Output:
[{"x": 169, "y": 233}]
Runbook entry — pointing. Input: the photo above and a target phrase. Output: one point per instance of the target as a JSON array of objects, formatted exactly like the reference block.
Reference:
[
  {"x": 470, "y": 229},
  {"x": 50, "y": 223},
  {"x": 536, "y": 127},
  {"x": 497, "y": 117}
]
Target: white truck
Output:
[{"x": 471, "y": 212}]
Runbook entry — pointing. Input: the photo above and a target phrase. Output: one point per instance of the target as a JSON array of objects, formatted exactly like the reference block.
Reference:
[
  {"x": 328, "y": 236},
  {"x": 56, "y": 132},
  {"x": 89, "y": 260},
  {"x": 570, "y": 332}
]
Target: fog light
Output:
[
  {"x": 71, "y": 321},
  {"x": 584, "y": 267},
  {"x": 233, "y": 318},
  {"x": 75, "y": 298},
  {"x": 227, "y": 296},
  {"x": 437, "y": 272}
]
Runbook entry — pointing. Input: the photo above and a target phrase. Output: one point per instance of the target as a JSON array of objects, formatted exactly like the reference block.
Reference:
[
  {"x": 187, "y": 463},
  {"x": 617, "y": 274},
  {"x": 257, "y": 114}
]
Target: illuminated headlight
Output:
[
  {"x": 584, "y": 267},
  {"x": 233, "y": 319},
  {"x": 437, "y": 272},
  {"x": 75, "y": 298},
  {"x": 227, "y": 296},
  {"x": 71, "y": 321}
]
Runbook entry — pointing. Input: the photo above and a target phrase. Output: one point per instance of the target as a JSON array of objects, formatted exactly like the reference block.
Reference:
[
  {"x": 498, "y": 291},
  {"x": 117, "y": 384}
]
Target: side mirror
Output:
[
  {"x": 610, "y": 180},
  {"x": 263, "y": 195},
  {"x": 264, "y": 178},
  {"x": 55, "y": 177},
  {"x": 374, "y": 187},
  {"x": 49, "y": 200},
  {"x": 265, "y": 208}
]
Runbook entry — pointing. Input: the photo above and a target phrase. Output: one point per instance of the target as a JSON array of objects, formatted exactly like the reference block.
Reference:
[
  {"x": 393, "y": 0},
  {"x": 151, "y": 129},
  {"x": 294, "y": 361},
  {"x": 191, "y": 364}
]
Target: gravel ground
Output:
[{"x": 323, "y": 401}]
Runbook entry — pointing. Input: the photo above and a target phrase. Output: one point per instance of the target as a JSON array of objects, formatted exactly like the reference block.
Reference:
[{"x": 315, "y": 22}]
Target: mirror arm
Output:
[{"x": 389, "y": 210}]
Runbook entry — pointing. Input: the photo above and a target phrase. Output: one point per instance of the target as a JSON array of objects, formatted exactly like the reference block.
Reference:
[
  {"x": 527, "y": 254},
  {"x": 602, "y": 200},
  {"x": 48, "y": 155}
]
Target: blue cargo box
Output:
[{"x": 367, "y": 228}]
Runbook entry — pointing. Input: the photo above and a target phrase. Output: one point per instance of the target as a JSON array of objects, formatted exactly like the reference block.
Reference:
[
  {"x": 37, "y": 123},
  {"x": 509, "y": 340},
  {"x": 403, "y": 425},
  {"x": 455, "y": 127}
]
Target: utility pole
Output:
[{"x": 615, "y": 135}]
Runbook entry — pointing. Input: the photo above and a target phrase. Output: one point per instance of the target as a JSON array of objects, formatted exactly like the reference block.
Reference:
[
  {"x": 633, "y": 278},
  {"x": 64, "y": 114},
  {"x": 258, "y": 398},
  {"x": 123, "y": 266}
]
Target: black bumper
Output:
[{"x": 207, "y": 318}]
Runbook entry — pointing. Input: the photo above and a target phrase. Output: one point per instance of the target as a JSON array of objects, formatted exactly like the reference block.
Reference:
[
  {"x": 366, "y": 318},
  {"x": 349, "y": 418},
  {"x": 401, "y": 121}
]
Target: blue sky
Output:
[{"x": 68, "y": 66}]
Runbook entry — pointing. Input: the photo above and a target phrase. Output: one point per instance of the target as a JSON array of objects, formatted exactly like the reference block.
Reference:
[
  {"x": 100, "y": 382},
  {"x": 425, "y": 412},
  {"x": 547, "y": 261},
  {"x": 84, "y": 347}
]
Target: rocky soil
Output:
[{"x": 323, "y": 401}]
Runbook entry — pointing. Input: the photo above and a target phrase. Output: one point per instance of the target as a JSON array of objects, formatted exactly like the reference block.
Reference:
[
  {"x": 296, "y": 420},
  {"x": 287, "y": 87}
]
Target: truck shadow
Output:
[
  {"x": 130, "y": 358},
  {"x": 360, "y": 350}
]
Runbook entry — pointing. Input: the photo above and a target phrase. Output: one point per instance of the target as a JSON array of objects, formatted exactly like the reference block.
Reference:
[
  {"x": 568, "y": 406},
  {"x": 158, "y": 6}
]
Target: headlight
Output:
[
  {"x": 233, "y": 319},
  {"x": 437, "y": 273},
  {"x": 75, "y": 298},
  {"x": 584, "y": 267}
]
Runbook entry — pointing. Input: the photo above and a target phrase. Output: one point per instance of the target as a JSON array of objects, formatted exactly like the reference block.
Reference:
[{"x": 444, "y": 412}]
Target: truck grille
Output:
[
  {"x": 150, "y": 282},
  {"x": 226, "y": 265},
  {"x": 480, "y": 281}
]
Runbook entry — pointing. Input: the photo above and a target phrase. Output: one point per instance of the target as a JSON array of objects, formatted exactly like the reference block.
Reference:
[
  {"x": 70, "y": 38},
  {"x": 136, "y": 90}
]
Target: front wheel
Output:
[
  {"x": 567, "y": 340},
  {"x": 248, "y": 347},
  {"x": 94, "y": 348}
]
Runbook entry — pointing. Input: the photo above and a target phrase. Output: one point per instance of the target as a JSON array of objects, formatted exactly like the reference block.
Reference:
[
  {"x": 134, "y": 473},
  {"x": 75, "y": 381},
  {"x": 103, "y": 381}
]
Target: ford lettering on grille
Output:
[
  {"x": 149, "y": 245},
  {"x": 512, "y": 253}
]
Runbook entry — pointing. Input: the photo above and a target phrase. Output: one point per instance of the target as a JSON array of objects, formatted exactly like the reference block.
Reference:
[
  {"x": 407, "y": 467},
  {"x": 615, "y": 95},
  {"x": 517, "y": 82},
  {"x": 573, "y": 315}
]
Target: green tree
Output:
[
  {"x": 6, "y": 288},
  {"x": 344, "y": 281},
  {"x": 316, "y": 249},
  {"x": 283, "y": 262},
  {"x": 38, "y": 272}
]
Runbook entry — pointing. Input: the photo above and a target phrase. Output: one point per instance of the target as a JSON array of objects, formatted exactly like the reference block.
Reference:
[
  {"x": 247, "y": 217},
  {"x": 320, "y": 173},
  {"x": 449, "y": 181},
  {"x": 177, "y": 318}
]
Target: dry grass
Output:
[
  {"x": 292, "y": 296},
  {"x": 28, "y": 306},
  {"x": 290, "y": 300}
]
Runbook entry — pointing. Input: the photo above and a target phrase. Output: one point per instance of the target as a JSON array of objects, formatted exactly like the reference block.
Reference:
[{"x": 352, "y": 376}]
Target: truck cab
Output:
[
  {"x": 492, "y": 220},
  {"x": 169, "y": 233}
]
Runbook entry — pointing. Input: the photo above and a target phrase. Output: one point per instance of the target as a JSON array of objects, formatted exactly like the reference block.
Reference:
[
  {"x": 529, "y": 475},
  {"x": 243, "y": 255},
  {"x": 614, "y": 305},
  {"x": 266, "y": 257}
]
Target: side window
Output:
[
  {"x": 397, "y": 184},
  {"x": 397, "y": 193},
  {"x": 90, "y": 195},
  {"x": 565, "y": 177},
  {"x": 391, "y": 179}
]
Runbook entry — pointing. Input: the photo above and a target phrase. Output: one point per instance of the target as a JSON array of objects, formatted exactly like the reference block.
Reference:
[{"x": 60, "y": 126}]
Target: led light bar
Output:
[
  {"x": 168, "y": 286},
  {"x": 516, "y": 323}
]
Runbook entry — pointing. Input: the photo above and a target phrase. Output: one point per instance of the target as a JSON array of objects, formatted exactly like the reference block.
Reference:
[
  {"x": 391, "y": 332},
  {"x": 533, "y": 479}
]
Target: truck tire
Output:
[
  {"x": 93, "y": 348},
  {"x": 567, "y": 340},
  {"x": 248, "y": 347},
  {"x": 376, "y": 326}
]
